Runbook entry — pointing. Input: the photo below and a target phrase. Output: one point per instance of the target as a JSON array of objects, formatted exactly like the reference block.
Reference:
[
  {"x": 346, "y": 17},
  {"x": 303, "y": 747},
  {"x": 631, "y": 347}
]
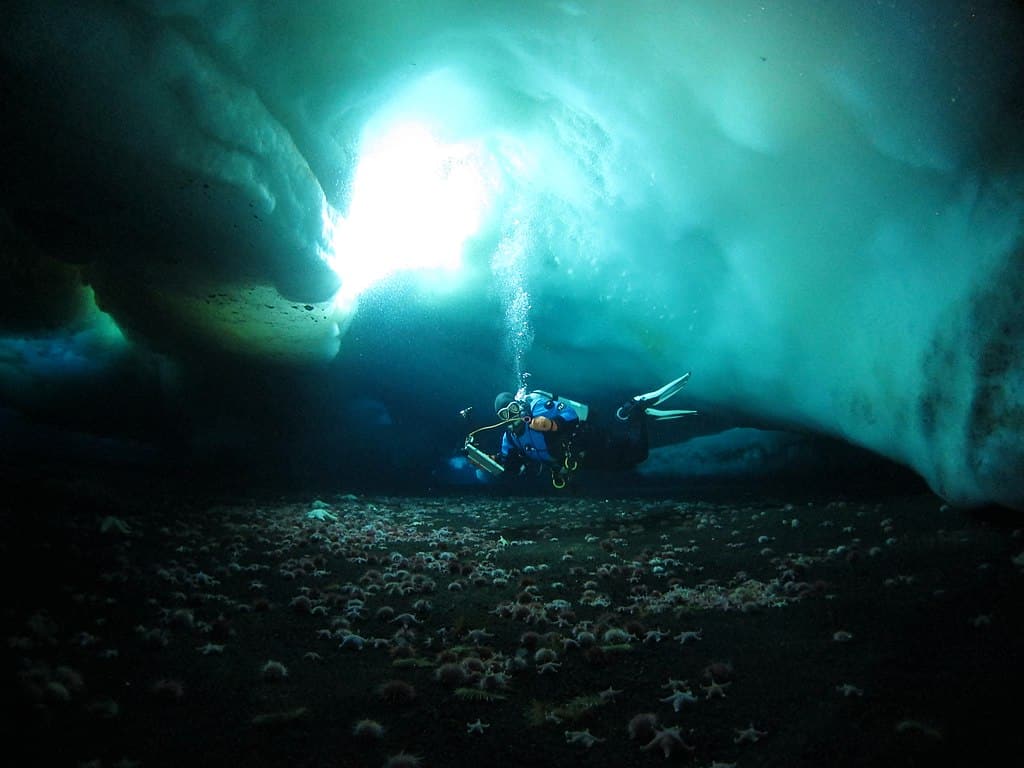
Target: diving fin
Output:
[
  {"x": 654, "y": 398},
  {"x": 667, "y": 415},
  {"x": 663, "y": 394}
]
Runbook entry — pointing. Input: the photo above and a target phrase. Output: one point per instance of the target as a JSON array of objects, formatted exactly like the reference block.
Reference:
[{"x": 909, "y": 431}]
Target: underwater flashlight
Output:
[{"x": 480, "y": 459}]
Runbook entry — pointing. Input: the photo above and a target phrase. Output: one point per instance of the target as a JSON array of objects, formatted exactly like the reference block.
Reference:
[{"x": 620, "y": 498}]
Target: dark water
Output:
[{"x": 110, "y": 594}]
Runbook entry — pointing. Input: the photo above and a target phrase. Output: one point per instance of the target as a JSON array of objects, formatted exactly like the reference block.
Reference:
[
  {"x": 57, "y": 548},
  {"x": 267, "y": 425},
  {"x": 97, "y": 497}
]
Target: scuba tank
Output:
[{"x": 560, "y": 402}]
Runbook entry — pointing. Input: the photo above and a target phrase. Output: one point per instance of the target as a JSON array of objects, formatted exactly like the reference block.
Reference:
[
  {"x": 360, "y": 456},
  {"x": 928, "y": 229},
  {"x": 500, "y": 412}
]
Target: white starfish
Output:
[
  {"x": 111, "y": 524},
  {"x": 668, "y": 740},
  {"x": 748, "y": 734},
  {"x": 321, "y": 514},
  {"x": 585, "y": 738},
  {"x": 609, "y": 694},
  {"x": 678, "y": 698}
]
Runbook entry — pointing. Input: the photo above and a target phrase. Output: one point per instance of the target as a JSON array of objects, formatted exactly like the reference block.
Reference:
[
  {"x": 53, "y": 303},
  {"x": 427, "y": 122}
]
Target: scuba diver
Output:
[{"x": 548, "y": 430}]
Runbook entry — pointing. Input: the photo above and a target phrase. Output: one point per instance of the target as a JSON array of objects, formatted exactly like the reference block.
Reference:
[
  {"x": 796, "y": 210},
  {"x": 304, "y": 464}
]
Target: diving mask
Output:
[{"x": 513, "y": 410}]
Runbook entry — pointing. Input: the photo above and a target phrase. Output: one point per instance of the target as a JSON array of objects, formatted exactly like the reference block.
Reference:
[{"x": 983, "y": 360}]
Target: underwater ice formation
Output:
[{"x": 815, "y": 208}]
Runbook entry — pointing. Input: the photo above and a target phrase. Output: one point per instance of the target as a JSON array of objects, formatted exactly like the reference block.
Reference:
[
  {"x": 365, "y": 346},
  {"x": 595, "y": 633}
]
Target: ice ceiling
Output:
[{"x": 282, "y": 218}]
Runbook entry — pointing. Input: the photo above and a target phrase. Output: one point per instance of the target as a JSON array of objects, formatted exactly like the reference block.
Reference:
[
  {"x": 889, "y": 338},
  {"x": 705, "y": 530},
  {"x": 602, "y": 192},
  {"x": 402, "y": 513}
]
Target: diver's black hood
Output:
[{"x": 503, "y": 399}]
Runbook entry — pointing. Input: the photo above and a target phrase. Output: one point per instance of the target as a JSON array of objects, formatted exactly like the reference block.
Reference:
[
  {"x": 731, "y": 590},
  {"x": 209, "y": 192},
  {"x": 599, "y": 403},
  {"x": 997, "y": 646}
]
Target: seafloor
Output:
[{"x": 824, "y": 633}]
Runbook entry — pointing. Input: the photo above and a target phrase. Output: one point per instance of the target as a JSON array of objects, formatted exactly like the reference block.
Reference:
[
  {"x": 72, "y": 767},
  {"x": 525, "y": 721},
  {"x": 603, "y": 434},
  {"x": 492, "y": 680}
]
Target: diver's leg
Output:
[{"x": 637, "y": 445}]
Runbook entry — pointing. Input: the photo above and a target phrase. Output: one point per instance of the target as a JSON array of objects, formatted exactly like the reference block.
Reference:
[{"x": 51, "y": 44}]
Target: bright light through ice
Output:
[{"x": 414, "y": 203}]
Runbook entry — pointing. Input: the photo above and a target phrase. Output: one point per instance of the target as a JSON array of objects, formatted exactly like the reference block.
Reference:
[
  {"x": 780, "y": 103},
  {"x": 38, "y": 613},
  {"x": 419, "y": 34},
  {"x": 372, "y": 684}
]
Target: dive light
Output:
[{"x": 481, "y": 459}]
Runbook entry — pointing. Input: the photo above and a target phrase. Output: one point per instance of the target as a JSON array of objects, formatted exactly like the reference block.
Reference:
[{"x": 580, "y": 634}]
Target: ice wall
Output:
[{"x": 816, "y": 208}]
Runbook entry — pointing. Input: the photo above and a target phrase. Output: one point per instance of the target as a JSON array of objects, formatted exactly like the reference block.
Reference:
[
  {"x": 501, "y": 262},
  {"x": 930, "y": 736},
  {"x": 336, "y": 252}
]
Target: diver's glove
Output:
[{"x": 518, "y": 466}]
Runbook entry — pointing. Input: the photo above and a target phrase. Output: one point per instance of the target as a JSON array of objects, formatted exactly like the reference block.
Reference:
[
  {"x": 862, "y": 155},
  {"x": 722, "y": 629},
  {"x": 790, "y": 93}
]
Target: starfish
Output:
[
  {"x": 677, "y": 698},
  {"x": 111, "y": 524},
  {"x": 476, "y": 727},
  {"x": 655, "y": 636},
  {"x": 750, "y": 733},
  {"x": 581, "y": 737},
  {"x": 321, "y": 515},
  {"x": 715, "y": 689},
  {"x": 478, "y": 636},
  {"x": 689, "y": 634},
  {"x": 849, "y": 689},
  {"x": 668, "y": 741},
  {"x": 209, "y": 648},
  {"x": 405, "y": 619}
]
